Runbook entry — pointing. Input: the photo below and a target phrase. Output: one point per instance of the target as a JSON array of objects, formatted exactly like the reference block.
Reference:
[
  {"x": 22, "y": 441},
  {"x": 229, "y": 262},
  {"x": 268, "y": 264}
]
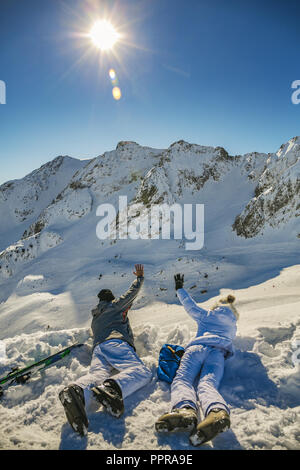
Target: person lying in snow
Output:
[
  {"x": 114, "y": 349},
  {"x": 202, "y": 365}
]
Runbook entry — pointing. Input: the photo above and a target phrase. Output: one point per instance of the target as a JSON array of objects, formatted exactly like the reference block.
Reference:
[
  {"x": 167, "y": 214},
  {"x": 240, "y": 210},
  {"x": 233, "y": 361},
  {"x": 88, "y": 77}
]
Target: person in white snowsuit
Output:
[
  {"x": 116, "y": 371},
  {"x": 201, "y": 370}
]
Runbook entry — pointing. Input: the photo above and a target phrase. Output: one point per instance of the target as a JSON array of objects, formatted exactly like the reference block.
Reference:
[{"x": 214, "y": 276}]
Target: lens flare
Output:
[
  {"x": 112, "y": 74},
  {"x": 116, "y": 92}
]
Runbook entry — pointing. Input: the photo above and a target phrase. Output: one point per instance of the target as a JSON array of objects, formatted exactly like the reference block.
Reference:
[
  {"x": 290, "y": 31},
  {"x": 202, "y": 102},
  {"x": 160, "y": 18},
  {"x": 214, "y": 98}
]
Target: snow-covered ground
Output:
[{"x": 261, "y": 382}]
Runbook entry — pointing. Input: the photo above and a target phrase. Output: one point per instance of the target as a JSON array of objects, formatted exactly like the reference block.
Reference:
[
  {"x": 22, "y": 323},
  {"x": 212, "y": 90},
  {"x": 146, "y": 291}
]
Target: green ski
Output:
[{"x": 21, "y": 376}]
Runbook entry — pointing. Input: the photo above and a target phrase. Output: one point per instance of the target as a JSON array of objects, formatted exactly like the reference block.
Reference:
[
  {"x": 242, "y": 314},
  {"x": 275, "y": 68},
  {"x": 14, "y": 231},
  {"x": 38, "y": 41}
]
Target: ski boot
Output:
[
  {"x": 216, "y": 421},
  {"x": 178, "y": 420},
  {"x": 72, "y": 399},
  {"x": 110, "y": 396}
]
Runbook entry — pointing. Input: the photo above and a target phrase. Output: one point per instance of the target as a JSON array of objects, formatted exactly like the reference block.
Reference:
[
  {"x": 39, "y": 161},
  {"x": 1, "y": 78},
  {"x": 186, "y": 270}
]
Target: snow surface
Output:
[
  {"x": 261, "y": 383},
  {"x": 49, "y": 280}
]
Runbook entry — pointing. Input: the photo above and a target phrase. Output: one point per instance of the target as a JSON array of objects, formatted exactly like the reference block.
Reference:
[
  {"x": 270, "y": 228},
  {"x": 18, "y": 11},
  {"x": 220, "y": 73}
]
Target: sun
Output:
[{"x": 104, "y": 35}]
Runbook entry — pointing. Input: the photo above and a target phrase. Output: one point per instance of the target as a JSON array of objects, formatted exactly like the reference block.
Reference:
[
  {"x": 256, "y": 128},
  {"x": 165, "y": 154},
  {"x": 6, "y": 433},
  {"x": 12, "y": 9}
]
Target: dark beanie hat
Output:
[
  {"x": 106, "y": 294},
  {"x": 230, "y": 299}
]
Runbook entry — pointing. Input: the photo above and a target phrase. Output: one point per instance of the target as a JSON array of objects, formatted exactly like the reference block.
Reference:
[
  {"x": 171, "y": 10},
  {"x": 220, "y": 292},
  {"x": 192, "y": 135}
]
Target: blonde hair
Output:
[{"x": 227, "y": 301}]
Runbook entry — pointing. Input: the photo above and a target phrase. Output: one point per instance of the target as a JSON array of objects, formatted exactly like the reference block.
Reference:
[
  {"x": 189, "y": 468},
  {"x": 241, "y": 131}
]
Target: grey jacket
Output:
[{"x": 110, "y": 318}]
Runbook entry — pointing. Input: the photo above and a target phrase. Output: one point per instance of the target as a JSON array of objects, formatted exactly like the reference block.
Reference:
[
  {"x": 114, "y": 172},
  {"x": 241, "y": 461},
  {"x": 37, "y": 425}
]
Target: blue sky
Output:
[{"x": 211, "y": 72}]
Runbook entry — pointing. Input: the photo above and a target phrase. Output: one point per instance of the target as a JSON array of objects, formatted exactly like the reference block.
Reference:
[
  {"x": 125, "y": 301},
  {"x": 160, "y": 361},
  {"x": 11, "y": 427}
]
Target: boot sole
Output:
[
  {"x": 102, "y": 399},
  {"x": 204, "y": 435},
  {"x": 169, "y": 427},
  {"x": 74, "y": 411}
]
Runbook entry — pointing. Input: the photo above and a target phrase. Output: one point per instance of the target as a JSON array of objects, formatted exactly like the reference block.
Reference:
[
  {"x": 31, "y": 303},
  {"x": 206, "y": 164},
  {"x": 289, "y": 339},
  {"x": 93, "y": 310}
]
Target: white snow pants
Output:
[
  {"x": 188, "y": 385},
  {"x": 110, "y": 356}
]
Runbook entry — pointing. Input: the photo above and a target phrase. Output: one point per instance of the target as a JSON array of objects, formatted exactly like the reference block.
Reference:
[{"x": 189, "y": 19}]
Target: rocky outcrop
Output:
[
  {"x": 73, "y": 204},
  {"x": 27, "y": 250},
  {"x": 277, "y": 194},
  {"x": 21, "y": 201}
]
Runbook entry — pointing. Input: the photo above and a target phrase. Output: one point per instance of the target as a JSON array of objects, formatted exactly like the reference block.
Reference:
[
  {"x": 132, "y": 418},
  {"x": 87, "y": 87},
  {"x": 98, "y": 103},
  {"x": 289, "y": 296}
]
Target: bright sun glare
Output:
[{"x": 104, "y": 35}]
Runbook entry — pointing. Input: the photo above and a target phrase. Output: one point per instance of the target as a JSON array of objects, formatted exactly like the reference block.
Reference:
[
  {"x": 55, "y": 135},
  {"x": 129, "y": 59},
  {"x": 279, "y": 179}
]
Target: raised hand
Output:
[
  {"x": 139, "y": 270},
  {"x": 179, "y": 281}
]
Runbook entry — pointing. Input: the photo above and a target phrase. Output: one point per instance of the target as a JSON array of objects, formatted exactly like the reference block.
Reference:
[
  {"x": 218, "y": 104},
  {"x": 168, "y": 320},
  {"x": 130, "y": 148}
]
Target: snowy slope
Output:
[
  {"x": 53, "y": 265},
  {"x": 261, "y": 383}
]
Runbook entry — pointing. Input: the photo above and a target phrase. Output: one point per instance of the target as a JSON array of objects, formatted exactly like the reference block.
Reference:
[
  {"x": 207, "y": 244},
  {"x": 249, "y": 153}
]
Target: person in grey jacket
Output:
[{"x": 114, "y": 351}]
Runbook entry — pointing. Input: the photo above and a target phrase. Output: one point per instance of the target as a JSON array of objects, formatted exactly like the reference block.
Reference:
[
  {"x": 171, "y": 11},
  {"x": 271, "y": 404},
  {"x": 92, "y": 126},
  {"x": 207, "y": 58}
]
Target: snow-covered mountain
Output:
[
  {"x": 21, "y": 201},
  {"x": 101, "y": 180},
  {"x": 53, "y": 265},
  {"x": 277, "y": 195},
  {"x": 250, "y": 196}
]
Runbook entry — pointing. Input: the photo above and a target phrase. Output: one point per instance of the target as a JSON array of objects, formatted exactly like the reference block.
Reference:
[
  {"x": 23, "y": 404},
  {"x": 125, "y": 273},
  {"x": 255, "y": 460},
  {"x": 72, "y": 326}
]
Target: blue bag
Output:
[{"x": 168, "y": 362}]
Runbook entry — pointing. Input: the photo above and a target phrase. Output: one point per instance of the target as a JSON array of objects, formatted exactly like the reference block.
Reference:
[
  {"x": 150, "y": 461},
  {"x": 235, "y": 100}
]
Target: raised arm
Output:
[
  {"x": 186, "y": 300},
  {"x": 126, "y": 299}
]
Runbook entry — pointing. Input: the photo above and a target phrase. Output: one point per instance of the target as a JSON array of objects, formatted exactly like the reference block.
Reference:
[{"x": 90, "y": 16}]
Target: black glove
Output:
[{"x": 179, "y": 281}]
